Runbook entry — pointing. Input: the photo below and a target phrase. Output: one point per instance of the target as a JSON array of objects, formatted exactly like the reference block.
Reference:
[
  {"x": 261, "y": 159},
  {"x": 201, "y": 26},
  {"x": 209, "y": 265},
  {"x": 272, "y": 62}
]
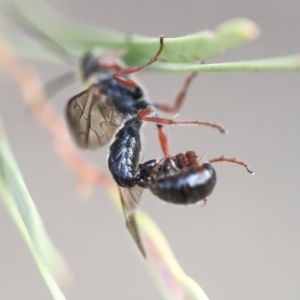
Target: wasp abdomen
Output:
[
  {"x": 124, "y": 153},
  {"x": 187, "y": 187}
]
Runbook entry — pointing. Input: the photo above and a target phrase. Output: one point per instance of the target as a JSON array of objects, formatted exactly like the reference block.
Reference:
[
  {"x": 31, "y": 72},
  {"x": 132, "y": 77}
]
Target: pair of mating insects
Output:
[
  {"x": 115, "y": 100},
  {"x": 95, "y": 115}
]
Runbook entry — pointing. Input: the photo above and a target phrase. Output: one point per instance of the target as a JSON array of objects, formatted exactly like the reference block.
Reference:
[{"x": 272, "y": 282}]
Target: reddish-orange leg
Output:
[
  {"x": 180, "y": 97},
  {"x": 119, "y": 71},
  {"x": 172, "y": 109},
  {"x": 163, "y": 139},
  {"x": 231, "y": 160},
  {"x": 147, "y": 115}
]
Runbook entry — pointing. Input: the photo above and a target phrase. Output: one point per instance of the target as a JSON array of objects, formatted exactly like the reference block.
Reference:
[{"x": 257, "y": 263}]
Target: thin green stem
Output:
[
  {"x": 26, "y": 217},
  {"x": 287, "y": 63}
]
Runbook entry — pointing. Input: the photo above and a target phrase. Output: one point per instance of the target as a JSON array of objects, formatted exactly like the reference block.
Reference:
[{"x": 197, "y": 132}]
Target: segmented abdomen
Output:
[
  {"x": 189, "y": 186},
  {"x": 124, "y": 153}
]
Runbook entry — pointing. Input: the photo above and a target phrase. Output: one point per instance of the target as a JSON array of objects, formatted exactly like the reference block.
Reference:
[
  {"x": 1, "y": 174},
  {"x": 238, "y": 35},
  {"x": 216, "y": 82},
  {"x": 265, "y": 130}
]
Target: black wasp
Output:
[
  {"x": 115, "y": 98},
  {"x": 180, "y": 179}
]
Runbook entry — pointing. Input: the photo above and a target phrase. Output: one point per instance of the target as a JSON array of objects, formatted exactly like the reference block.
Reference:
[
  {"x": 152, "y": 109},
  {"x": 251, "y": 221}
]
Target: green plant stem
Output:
[
  {"x": 49, "y": 25},
  {"x": 23, "y": 48},
  {"x": 25, "y": 215},
  {"x": 287, "y": 63}
]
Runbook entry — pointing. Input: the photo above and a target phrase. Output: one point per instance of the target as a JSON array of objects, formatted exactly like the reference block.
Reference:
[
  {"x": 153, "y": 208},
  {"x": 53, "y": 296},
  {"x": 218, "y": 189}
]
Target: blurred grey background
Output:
[{"x": 244, "y": 244}]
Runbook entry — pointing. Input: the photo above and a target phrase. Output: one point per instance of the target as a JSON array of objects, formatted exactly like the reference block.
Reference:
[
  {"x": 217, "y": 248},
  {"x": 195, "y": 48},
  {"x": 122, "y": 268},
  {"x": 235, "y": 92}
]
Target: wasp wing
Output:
[
  {"x": 130, "y": 198},
  {"x": 132, "y": 227},
  {"x": 92, "y": 122}
]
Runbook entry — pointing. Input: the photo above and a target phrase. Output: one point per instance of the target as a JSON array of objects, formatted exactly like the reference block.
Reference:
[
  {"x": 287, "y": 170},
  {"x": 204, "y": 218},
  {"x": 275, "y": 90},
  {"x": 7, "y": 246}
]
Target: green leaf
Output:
[
  {"x": 189, "y": 48},
  {"x": 26, "y": 217}
]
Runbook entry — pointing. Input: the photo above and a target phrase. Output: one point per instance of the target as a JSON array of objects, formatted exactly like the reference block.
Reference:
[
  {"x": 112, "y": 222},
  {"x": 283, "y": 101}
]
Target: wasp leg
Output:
[
  {"x": 231, "y": 160},
  {"x": 163, "y": 139},
  {"x": 180, "y": 97},
  {"x": 127, "y": 81},
  {"x": 147, "y": 116}
]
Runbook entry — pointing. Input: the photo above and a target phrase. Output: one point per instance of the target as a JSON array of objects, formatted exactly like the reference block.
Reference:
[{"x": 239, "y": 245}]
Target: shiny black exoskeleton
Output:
[
  {"x": 124, "y": 153},
  {"x": 126, "y": 99},
  {"x": 95, "y": 114},
  {"x": 178, "y": 179}
]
